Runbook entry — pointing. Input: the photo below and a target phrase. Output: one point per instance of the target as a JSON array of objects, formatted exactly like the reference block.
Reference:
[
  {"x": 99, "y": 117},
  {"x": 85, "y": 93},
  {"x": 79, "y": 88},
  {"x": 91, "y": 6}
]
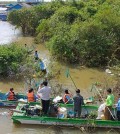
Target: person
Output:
[
  {"x": 118, "y": 108},
  {"x": 36, "y": 55},
  {"x": 31, "y": 96},
  {"x": 11, "y": 95},
  {"x": 78, "y": 101},
  {"x": 42, "y": 66},
  {"x": 67, "y": 97},
  {"x": 45, "y": 92},
  {"x": 108, "y": 105}
]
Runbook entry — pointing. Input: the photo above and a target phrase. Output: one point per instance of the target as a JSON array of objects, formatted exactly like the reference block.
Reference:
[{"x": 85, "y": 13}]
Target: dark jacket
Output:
[{"x": 78, "y": 101}]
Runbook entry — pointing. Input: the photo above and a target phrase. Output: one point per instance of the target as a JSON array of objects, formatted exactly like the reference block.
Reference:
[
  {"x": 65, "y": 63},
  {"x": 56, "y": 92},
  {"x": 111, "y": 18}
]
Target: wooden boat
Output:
[
  {"x": 20, "y": 116},
  {"x": 10, "y": 104}
]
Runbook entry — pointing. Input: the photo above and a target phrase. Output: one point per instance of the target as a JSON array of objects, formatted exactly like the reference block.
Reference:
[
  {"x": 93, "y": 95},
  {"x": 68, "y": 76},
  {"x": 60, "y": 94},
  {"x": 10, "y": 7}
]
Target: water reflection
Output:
[{"x": 8, "y": 33}]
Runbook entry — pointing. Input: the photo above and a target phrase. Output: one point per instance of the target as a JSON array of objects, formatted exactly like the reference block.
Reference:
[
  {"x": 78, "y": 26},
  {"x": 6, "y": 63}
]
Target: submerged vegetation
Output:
[{"x": 84, "y": 32}]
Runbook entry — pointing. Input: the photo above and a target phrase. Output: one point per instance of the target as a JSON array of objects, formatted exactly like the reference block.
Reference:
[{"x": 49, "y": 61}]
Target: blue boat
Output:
[{"x": 10, "y": 104}]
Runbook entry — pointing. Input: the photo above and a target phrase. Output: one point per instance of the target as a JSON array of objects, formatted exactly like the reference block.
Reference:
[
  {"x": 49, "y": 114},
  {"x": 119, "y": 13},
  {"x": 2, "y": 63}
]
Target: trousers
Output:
[
  {"x": 45, "y": 106},
  {"x": 118, "y": 115}
]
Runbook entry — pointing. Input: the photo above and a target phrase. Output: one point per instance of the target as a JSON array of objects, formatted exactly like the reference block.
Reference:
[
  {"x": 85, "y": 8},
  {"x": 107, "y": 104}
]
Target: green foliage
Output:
[
  {"x": 11, "y": 57},
  {"x": 16, "y": 61},
  {"x": 26, "y": 19},
  {"x": 65, "y": 14},
  {"x": 43, "y": 31},
  {"x": 85, "y": 32}
]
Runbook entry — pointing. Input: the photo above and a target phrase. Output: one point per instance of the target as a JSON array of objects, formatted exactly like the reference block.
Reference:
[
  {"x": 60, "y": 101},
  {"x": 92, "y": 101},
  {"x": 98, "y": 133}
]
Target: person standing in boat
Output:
[
  {"x": 67, "y": 97},
  {"x": 78, "y": 101},
  {"x": 11, "y": 95},
  {"x": 31, "y": 96},
  {"x": 45, "y": 92},
  {"x": 118, "y": 108},
  {"x": 108, "y": 105}
]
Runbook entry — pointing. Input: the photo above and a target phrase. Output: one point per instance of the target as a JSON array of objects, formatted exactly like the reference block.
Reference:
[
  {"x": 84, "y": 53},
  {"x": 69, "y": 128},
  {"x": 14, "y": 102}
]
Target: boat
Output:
[
  {"x": 21, "y": 116},
  {"x": 4, "y": 103}
]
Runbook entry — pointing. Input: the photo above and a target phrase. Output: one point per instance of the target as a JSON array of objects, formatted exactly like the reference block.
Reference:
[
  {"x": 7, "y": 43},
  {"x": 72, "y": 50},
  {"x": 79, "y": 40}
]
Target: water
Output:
[
  {"x": 83, "y": 78},
  {"x": 9, "y": 128},
  {"x": 8, "y": 33}
]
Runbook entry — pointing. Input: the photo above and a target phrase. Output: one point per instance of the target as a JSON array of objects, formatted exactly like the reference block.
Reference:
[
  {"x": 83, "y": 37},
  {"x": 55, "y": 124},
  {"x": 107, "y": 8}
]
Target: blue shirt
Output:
[
  {"x": 118, "y": 105},
  {"x": 42, "y": 66}
]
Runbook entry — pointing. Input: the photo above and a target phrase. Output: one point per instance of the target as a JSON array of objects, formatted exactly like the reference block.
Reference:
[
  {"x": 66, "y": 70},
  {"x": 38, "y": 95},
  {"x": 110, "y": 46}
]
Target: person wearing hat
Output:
[
  {"x": 118, "y": 108},
  {"x": 78, "y": 101}
]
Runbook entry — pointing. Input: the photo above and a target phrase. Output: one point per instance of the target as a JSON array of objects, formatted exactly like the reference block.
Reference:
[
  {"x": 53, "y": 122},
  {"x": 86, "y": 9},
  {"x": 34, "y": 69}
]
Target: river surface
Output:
[{"x": 83, "y": 78}]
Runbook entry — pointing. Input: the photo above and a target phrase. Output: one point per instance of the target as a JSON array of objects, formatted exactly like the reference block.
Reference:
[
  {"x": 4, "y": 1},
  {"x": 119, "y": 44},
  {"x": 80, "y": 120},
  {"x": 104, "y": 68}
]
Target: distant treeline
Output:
[{"x": 75, "y": 31}]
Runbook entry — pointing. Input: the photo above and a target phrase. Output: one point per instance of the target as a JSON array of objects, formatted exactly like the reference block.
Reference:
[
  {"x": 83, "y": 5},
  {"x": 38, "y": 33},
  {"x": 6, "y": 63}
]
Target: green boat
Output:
[{"x": 20, "y": 116}]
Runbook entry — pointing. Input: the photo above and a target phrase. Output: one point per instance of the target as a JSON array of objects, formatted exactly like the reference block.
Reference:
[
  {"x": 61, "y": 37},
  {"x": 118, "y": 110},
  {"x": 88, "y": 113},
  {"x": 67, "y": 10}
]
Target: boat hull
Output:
[
  {"x": 72, "y": 122},
  {"x": 10, "y": 104},
  {"x": 67, "y": 122}
]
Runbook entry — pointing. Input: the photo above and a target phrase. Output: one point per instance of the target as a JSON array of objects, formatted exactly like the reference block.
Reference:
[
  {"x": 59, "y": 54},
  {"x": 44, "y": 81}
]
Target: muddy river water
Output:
[{"x": 83, "y": 78}]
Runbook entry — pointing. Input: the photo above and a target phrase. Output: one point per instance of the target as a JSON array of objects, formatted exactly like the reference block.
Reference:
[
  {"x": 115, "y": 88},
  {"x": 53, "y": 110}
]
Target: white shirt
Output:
[{"x": 44, "y": 92}]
